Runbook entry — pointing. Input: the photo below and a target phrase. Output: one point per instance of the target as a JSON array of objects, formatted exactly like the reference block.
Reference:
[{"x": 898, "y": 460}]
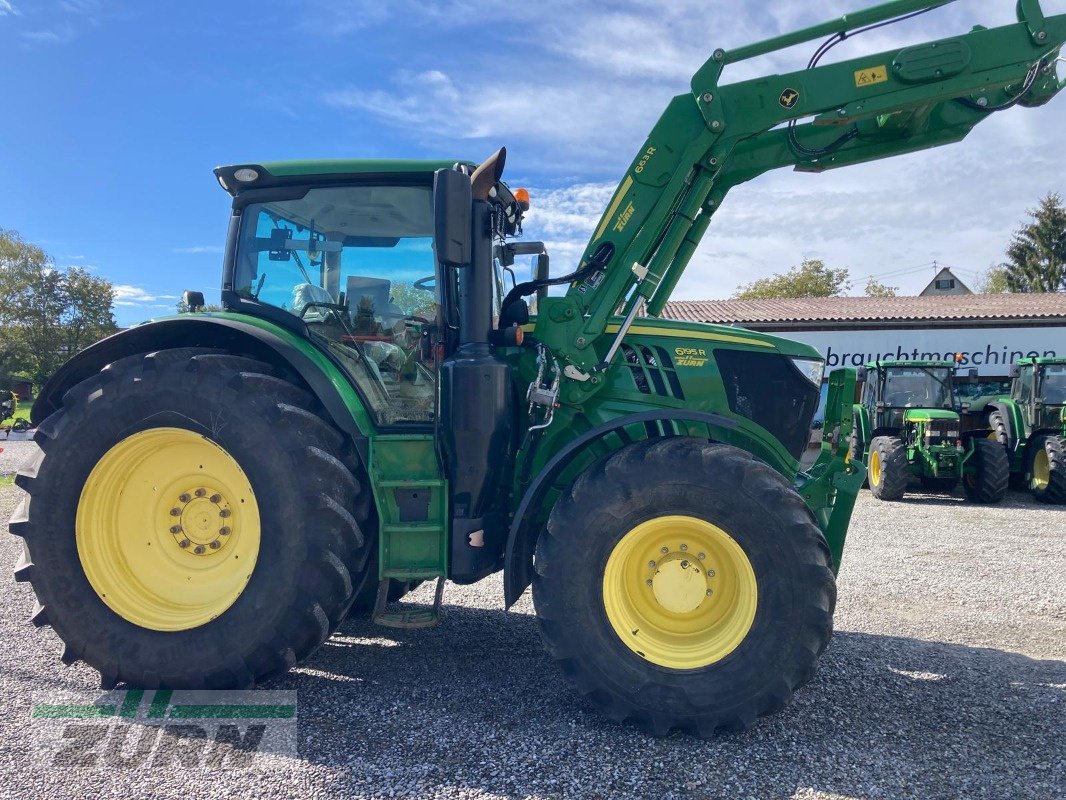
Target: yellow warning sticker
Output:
[{"x": 870, "y": 76}]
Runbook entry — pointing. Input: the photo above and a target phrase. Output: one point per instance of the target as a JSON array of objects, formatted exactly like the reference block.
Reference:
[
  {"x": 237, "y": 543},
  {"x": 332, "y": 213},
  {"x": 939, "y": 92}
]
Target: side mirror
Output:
[
  {"x": 194, "y": 300},
  {"x": 861, "y": 374},
  {"x": 973, "y": 375},
  {"x": 1015, "y": 371},
  {"x": 452, "y": 217}
]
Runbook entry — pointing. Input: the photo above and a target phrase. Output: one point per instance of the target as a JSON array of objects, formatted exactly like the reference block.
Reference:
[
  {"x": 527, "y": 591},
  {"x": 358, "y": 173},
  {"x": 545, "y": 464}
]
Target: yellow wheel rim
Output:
[
  {"x": 875, "y": 467},
  {"x": 679, "y": 592},
  {"x": 167, "y": 529},
  {"x": 1041, "y": 470}
]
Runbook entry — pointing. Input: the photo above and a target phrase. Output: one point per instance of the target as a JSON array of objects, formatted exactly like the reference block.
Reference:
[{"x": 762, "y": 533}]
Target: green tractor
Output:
[
  {"x": 1030, "y": 423},
  {"x": 906, "y": 426},
  {"x": 378, "y": 406}
]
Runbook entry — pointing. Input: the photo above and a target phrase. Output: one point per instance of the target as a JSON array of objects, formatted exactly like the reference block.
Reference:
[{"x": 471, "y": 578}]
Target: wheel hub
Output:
[
  {"x": 680, "y": 584},
  {"x": 203, "y": 516}
]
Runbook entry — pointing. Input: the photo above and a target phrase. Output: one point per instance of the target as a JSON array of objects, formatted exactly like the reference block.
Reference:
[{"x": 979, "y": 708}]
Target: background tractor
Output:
[
  {"x": 378, "y": 406},
  {"x": 1030, "y": 423},
  {"x": 906, "y": 426}
]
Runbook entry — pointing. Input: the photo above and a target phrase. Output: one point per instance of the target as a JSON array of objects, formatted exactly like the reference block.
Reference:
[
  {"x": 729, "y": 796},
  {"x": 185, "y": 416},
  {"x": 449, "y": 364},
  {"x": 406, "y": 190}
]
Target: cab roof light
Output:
[
  {"x": 246, "y": 175},
  {"x": 522, "y": 198}
]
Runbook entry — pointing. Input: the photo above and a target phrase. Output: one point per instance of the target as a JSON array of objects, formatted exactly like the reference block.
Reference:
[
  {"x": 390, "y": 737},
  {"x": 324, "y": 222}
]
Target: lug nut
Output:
[
  {"x": 710, "y": 592},
  {"x": 664, "y": 549},
  {"x": 224, "y": 513},
  {"x": 651, "y": 564},
  {"x": 215, "y": 544},
  {"x": 175, "y": 529},
  {"x": 649, "y": 583},
  {"x": 710, "y": 573},
  {"x": 199, "y": 550},
  {"x": 684, "y": 547},
  {"x": 185, "y": 498},
  {"x": 224, "y": 531},
  {"x": 201, "y": 492},
  {"x": 215, "y": 498},
  {"x": 184, "y": 543},
  {"x": 684, "y": 565},
  {"x": 701, "y": 556},
  {"x": 175, "y": 512}
]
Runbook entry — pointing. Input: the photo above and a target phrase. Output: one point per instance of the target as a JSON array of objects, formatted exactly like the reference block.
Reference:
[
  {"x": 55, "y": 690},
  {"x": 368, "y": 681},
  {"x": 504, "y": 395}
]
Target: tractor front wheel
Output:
[
  {"x": 188, "y": 522},
  {"x": 1048, "y": 470},
  {"x": 684, "y": 584},
  {"x": 987, "y": 482},
  {"x": 888, "y": 471}
]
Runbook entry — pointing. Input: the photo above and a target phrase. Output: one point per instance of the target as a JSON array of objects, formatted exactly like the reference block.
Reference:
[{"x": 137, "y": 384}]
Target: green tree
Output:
[
  {"x": 812, "y": 278},
  {"x": 1036, "y": 257},
  {"x": 183, "y": 308},
  {"x": 993, "y": 281},
  {"x": 875, "y": 288},
  {"x": 47, "y": 314}
]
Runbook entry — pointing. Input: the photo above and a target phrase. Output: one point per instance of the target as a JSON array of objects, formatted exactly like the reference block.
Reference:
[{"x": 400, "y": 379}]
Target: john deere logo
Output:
[{"x": 788, "y": 98}]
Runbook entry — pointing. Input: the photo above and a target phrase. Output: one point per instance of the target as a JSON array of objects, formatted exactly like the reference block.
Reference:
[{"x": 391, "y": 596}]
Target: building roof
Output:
[
  {"x": 958, "y": 287},
  {"x": 820, "y": 310}
]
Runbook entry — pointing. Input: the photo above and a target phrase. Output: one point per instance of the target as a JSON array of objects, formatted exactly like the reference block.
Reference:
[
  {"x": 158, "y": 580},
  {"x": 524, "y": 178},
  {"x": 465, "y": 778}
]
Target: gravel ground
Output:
[{"x": 945, "y": 679}]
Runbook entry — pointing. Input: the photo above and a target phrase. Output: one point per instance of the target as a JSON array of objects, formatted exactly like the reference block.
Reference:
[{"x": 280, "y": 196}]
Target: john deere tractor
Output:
[
  {"x": 378, "y": 405},
  {"x": 906, "y": 427},
  {"x": 1030, "y": 423}
]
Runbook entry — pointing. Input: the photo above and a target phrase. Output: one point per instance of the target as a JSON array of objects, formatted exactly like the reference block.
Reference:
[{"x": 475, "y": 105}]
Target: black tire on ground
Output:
[
  {"x": 757, "y": 507},
  {"x": 857, "y": 446},
  {"x": 1053, "y": 449},
  {"x": 310, "y": 546},
  {"x": 1000, "y": 434},
  {"x": 895, "y": 470},
  {"x": 938, "y": 485},
  {"x": 988, "y": 482}
]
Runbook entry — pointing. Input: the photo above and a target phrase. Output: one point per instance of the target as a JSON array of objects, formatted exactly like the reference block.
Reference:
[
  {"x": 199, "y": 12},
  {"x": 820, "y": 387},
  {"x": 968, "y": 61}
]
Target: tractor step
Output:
[{"x": 409, "y": 617}]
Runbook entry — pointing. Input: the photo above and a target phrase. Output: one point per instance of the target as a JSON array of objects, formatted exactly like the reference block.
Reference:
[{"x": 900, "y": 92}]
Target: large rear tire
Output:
[
  {"x": 187, "y": 522},
  {"x": 1048, "y": 469},
  {"x": 684, "y": 584},
  {"x": 988, "y": 482},
  {"x": 888, "y": 471}
]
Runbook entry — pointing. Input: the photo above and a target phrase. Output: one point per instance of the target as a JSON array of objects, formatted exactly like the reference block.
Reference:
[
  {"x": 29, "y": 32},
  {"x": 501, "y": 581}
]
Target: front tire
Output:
[
  {"x": 987, "y": 483},
  {"x": 1048, "y": 469},
  {"x": 888, "y": 471},
  {"x": 212, "y": 544},
  {"x": 709, "y": 635}
]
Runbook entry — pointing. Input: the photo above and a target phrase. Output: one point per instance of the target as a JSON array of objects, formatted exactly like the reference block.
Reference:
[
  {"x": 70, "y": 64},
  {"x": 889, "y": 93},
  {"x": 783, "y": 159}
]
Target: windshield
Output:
[
  {"x": 917, "y": 387},
  {"x": 1053, "y": 388},
  {"x": 357, "y": 264}
]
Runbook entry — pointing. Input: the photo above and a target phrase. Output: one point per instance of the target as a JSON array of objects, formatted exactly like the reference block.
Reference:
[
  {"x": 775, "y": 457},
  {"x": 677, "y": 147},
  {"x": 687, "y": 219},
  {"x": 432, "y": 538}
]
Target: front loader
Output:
[
  {"x": 906, "y": 427},
  {"x": 1030, "y": 424},
  {"x": 378, "y": 406}
]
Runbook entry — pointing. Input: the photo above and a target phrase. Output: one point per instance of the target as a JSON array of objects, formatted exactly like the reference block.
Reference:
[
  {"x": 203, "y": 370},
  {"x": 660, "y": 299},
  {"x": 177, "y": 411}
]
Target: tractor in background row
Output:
[
  {"x": 905, "y": 426},
  {"x": 1030, "y": 423}
]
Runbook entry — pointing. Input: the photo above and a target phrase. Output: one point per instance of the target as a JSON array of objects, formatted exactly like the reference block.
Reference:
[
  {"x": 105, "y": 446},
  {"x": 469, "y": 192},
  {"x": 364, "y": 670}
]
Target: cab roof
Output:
[{"x": 284, "y": 173}]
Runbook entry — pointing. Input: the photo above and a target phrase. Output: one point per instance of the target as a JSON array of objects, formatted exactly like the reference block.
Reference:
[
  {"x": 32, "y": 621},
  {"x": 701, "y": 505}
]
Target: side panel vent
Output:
[{"x": 653, "y": 371}]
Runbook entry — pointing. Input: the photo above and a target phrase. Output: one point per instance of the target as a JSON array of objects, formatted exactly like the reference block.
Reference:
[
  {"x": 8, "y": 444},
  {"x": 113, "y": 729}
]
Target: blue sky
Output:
[{"x": 115, "y": 112}]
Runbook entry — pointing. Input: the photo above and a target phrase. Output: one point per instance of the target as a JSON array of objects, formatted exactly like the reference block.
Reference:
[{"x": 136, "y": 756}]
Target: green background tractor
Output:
[
  {"x": 906, "y": 426},
  {"x": 378, "y": 406},
  {"x": 1030, "y": 423}
]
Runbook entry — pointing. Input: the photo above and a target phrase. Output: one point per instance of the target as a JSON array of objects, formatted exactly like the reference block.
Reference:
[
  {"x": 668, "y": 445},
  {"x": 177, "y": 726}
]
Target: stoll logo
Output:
[{"x": 137, "y": 729}]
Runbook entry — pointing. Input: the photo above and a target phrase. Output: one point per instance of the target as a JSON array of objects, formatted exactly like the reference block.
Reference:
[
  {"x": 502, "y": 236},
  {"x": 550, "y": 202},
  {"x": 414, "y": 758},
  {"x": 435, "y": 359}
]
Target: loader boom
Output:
[{"x": 717, "y": 137}]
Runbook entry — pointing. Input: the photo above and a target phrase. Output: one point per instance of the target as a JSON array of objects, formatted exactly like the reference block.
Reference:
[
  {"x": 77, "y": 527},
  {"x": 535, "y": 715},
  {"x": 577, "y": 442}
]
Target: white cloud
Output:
[
  {"x": 6, "y": 7},
  {"x": 200, "y": 249},
  {"x": 128, "y": 295},
  {"x": 60, "y": 34}
]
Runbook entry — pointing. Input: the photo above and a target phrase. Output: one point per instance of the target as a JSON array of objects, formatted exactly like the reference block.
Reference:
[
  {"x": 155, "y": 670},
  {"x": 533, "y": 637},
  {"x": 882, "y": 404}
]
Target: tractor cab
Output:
[
  {"x": 1038, "y": 387},
  {"x": 898, "y": 393}
]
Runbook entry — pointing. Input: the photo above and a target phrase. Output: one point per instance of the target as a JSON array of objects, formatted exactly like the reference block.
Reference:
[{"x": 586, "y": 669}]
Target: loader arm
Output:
[{"x": 822, "y": 117}]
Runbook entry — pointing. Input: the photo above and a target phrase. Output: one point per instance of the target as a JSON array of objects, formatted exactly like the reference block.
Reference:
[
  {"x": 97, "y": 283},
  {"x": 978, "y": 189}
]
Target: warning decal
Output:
[{"x": 868, "y": 77}]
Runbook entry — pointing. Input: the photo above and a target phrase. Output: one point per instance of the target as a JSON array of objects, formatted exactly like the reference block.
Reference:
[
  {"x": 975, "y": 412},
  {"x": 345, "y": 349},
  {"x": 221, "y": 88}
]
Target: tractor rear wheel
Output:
[
  {"x": 888, "y": 471},
  {"x": 987, "y": 483},
  {"x": 187, "y": 522},
  {"x": 1048, "y": 470},
  {"x": 1000, "y": 434},
  {"x": 684, "y": 584}
]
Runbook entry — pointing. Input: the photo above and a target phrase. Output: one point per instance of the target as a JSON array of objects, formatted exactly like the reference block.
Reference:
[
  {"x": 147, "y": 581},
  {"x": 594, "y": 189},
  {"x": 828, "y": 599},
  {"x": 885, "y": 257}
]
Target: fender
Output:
[
  {"x": 862, "y": 417},
  {"x": 521, "y": 540},
  {"x": 1012, "y": 418},
  {"x": 272, "y": 344}
]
